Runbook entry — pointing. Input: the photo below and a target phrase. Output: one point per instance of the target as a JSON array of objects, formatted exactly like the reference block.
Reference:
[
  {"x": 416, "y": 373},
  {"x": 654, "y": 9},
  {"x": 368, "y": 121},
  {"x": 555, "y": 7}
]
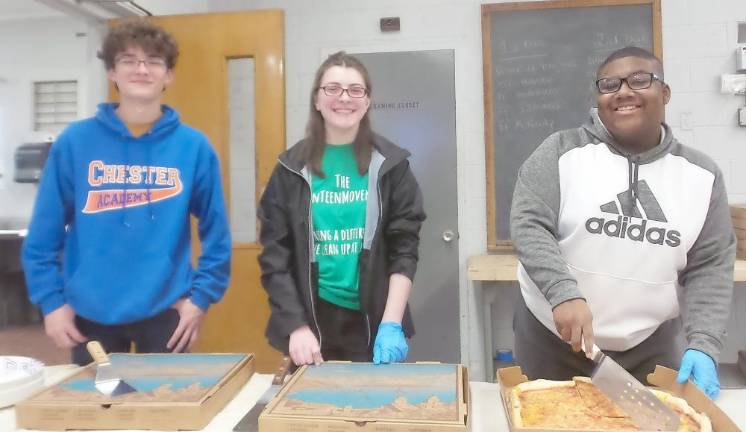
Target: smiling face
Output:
[
  {"x": 342, "y": 114},
  {"x": 138, "y": 76},
  {"x": 633, "y": 117}
]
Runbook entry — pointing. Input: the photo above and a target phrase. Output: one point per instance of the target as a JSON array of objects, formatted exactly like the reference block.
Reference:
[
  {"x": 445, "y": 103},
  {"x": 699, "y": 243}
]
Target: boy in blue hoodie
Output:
[{"x": 108, "y": 251}]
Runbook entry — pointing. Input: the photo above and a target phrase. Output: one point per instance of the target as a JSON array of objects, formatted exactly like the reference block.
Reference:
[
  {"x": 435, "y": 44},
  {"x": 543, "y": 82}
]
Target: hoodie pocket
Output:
[{"x": 118, "y": 286}]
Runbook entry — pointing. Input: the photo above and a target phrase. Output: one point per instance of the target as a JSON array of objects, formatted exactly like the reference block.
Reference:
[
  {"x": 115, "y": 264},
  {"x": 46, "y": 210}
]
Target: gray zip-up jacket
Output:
[
  {"x": 635, "y": 235},
  {"x": 394, "y": 215}
]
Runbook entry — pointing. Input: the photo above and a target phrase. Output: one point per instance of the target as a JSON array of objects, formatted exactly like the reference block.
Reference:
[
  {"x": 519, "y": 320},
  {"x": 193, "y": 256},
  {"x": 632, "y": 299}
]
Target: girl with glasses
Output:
[{"x": 340, "y": 219}]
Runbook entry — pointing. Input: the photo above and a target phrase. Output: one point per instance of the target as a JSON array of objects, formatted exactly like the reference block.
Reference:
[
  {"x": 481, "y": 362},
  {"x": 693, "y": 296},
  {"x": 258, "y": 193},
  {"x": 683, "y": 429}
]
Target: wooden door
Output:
[{"x": 200, "y": 93}]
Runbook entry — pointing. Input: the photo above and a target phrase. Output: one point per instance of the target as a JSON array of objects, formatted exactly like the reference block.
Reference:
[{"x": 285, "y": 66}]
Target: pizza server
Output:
[
  {"x": 643, "y": 407},
  {"x": 107, "y": 380}
]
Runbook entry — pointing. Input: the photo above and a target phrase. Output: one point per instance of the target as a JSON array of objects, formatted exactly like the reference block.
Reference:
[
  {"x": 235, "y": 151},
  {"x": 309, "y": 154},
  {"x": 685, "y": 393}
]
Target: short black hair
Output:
[{"x": 633, "y": 51}]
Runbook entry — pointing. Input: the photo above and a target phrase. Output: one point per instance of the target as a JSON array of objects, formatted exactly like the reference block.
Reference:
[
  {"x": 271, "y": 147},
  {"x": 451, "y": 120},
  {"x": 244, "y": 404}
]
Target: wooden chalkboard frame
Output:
[{"x": 493, "y": 244}]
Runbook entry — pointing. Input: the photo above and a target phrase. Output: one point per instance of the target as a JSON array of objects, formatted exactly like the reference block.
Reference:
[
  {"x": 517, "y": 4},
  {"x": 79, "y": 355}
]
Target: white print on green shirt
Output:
[{"x": 338, "y": 204}]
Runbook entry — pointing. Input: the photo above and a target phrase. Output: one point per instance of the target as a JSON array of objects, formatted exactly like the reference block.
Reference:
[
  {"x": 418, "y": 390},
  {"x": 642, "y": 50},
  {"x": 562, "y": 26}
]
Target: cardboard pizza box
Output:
[
  {"x": 738, "y": 215},
  {"x": 663, "y": 378},
  {"x": 738, "y": 211},
  {"x": 174, "y": 391},
  {"x": 345, "y": 396}
]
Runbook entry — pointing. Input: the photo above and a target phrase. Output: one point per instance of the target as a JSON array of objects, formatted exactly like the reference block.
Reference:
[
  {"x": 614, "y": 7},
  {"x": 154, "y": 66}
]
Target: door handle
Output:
[{"x": 449, "y": 235}]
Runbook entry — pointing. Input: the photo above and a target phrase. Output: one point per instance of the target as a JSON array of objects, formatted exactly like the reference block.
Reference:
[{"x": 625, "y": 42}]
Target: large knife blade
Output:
[
  {"x": 250, "y": 422},
  {"x": 644, "y": 408}
]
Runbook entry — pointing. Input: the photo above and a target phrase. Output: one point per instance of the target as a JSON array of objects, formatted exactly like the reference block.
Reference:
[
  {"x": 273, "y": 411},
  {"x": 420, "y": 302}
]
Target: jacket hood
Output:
[
  {"x": 108, "y": 117},
  {"x": 596, "y": 128},
  {"x": 294, "y": 157}
]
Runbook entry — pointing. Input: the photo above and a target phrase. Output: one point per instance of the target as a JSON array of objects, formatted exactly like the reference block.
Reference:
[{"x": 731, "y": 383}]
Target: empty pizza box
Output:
[
  {"x": 173, "y": 391},
  {"x": 663, "y": 378},
  {"x": 343, "y": 396}
]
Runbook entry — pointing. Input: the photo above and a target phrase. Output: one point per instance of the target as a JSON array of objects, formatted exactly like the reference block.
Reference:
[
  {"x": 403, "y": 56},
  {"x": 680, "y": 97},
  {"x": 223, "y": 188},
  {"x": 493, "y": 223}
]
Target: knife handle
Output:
[
  {"x": 97, "y": 352},
  {"x": 595, "y": 355},
  {"x": 282, "y": 370}
]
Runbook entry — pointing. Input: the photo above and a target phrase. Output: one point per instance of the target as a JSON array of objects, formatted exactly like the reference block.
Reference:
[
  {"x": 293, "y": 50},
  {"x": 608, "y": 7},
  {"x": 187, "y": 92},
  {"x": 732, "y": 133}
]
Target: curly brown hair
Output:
[{"x": 138, "y": 32}]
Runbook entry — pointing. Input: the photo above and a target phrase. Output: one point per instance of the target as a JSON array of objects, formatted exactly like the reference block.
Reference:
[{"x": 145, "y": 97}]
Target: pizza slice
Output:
[
  {"x": 565, "y": 404},
  {"x": 596, "y": 400}
]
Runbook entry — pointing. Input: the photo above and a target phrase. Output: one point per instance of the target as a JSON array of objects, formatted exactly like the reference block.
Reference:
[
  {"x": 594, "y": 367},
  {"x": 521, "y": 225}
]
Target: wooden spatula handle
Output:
[
  {"x": 283, "y": 370},
  {"x": 97, "y": 352}
]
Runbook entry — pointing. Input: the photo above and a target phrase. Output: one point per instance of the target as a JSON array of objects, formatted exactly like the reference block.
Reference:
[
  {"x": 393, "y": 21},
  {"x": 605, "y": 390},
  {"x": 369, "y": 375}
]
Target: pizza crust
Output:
[{"x": 683, "y": 406}]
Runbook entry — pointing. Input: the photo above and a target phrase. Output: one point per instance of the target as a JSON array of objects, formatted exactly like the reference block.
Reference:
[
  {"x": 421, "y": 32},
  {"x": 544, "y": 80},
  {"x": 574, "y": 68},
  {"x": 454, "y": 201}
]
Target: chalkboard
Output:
[{"x": 540, "y": 61}]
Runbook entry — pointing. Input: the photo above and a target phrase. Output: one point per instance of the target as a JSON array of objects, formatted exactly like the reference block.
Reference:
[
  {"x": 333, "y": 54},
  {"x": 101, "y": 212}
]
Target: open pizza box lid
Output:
[{"x": 663, "y": 378}]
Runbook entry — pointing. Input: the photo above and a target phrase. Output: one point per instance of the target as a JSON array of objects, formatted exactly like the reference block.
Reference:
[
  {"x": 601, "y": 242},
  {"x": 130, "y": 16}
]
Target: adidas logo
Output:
[{"x": 622, "y": 226}]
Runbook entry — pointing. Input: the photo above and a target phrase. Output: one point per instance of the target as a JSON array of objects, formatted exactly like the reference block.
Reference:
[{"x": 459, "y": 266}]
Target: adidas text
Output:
[{"x": 622, "y": 228}]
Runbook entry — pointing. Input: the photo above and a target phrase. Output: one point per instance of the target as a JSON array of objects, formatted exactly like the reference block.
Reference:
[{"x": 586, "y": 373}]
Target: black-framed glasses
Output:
[
  {"x": 353, "y": 91},
  {"x": 635, "y": 81},
  {"x": 150, "y": 63}
]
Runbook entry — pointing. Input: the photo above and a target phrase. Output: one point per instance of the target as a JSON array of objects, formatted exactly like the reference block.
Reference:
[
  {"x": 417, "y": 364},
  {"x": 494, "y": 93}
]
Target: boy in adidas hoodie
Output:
[
  {"x": 108, "y": 252},
  {"x": 616, "y": 224}
]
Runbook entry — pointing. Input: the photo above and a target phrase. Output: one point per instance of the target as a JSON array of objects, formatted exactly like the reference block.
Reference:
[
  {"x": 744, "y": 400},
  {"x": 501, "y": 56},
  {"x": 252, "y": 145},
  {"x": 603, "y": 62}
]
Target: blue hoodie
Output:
[{"x": 110, "y": 231}]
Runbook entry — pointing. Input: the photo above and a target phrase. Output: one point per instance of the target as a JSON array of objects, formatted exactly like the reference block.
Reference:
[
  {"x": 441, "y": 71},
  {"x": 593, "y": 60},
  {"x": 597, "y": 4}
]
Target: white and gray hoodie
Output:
[{"x": 634, "y": 235}]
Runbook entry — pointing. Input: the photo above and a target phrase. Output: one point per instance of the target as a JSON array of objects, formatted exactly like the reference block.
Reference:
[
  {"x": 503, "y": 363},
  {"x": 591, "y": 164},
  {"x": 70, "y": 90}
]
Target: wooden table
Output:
[{"x": 502, "y": 267}]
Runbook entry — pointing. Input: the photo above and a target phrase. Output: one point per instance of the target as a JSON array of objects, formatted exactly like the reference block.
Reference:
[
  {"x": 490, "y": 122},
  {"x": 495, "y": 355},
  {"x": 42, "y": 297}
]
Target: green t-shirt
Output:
[{"x": 338, "y": 209}]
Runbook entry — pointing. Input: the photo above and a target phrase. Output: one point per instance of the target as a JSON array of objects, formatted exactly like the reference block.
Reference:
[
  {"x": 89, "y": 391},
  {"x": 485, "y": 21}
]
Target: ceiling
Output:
[{"x": 25, "y": 9}]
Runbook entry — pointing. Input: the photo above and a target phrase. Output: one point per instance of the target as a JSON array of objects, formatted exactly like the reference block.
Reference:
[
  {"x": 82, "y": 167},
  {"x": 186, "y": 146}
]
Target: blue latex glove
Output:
[
  {"x": 391, "y": 345},
  {"x": 703, "y": 371}
]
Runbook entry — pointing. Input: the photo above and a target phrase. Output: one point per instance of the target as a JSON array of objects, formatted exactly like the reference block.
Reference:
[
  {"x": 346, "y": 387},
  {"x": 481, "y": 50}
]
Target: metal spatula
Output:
[
  {"x": 643, "y": 407},
  {"x": 107, "y": 381}
]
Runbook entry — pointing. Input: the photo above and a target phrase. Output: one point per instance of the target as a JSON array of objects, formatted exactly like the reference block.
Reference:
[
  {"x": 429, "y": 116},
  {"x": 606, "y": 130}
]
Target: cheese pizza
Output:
[{"x": 578, "y": 404}]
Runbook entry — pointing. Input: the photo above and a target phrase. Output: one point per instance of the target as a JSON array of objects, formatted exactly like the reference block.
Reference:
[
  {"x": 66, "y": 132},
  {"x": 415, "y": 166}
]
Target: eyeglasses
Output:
[
  {"x": 150, "y": 63},
  {"x": 353, "y": 91},
  {"x": 635, "y": 81}
]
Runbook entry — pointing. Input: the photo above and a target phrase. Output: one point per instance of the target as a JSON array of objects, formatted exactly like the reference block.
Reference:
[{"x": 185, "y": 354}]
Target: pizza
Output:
[{"x": 578, "y": 404}]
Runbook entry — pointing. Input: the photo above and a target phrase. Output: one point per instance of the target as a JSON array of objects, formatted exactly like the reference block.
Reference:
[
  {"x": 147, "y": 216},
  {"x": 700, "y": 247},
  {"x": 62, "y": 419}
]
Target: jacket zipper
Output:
[
  {"x": 310, "y": 253},
  {"x": 380, "y": 212}
]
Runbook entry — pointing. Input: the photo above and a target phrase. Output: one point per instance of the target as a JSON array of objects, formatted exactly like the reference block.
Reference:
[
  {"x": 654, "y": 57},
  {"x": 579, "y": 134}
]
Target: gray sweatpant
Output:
[{"x": 541, "y": 354}]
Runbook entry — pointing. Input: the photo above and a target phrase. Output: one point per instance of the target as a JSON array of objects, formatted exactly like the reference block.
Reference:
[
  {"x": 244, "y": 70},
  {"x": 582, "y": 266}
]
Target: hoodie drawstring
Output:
[
  {"x": 146, "y": 171},
  {"x": 147, "y": 184},
  {"x": 632, "y": 177},
  {"x": 125, "y": 222}
]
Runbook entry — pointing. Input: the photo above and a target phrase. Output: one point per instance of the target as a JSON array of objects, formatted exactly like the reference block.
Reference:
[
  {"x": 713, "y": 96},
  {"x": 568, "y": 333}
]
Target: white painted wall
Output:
[
  {"x": 699, "y": 40},
  {"x": 699, "y": 43},
  {"x": 33, "y": 50}
]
